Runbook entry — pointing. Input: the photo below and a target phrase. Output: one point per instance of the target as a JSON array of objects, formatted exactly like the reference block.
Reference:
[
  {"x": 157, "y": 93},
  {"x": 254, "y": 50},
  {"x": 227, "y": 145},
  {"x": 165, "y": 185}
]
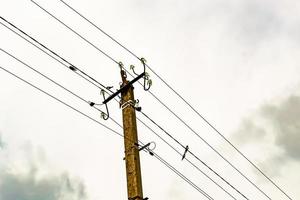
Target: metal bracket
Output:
[
  {"x": 146, "y": 147},
  {"x": 103, "y": 115},
  {"x": 125, "y": 87},
  {"x": 147, "y": 80}
]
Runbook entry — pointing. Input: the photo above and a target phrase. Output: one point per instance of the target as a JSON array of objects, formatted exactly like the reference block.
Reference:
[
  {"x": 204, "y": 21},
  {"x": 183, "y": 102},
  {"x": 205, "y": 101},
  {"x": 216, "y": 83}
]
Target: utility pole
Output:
[
  {"x": 131, "y": 142},
  {"x": 132, "y": 157}
]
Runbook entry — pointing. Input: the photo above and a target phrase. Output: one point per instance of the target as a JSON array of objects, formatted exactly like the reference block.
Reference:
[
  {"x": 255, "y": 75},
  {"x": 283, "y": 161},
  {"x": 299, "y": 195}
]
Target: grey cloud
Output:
[
  {"x": 278, "y": 127},
  {"x": 249, "y": 132},
  {"x": 285, "y": 119},
  {"x": 1, "y": 142},
  {"x": 29, "y": 187},
  {"x": 32, "y": 183}
]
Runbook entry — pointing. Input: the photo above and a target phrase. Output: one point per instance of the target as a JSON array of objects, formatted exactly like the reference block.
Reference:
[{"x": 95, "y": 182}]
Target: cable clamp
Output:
[
  {"x": 133, "y": 103},
  {"x": 185, "y": 151}
]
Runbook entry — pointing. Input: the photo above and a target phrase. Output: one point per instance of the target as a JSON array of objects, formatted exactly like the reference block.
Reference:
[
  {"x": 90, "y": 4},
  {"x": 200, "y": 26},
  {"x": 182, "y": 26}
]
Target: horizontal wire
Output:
[
  {"x": 182, "y": 98},
  {"x": 112, "y": 130}
]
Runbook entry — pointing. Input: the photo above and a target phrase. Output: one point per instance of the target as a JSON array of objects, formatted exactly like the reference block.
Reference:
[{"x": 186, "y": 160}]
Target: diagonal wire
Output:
[
  {"x": 112, "y": 130},
  {"x": 183, "y": 99},
  {"x": 45, "y": 76},
  {"x": 181, "y": 175},
  {"x": 217, "y": 152},
  {"x": 62, "y": 102},
  {"x": 180, "y": 144},
  {"x": 53, "y": 80},
  {"x": 56, "y": 57},
  {"x": 190, "y": 162},
  {"x": 210, "y": 146},
  {"x": 80, "y": 36}
]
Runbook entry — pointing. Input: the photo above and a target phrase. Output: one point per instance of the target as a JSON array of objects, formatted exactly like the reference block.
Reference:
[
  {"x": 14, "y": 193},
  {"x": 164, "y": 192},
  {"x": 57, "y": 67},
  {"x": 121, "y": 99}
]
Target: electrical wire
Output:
[
  {"x": 52, "y": 79},
  {"x": 80, "y": 36},
  {"x": 183, "y": 99},
  {"x": 62, "y": 102},
  {"x": 182, "y": 176},
  {"x": 56, "y": 83},
  {"x": 179, "y": 118},
  {"x": 190, "y": 162},
  {"x": 180, "y": 144},
  {"x": 211, "y": 147},
  {"x": 62, "y": 60},
  {"x": 112, "y": 130}
]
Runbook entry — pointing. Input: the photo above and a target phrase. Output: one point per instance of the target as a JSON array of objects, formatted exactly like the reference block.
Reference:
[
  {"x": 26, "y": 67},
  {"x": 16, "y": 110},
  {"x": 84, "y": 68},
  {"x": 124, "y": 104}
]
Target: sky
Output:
[{"x": 235, "y": 61}]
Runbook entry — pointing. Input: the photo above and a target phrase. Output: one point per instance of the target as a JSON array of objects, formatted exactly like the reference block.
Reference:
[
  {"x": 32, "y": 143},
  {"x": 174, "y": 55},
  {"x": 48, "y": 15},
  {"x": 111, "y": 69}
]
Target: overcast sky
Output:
[{"x": 235, "y": 61}]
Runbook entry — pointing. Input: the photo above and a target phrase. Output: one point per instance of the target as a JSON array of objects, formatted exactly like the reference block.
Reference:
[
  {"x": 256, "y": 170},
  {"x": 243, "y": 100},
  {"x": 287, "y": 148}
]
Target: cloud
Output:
[
  {"x": 249, "y": 132},
  {"x": 28, "y": 187},
  {"x": 275, "y": 129},
  {"x": 26, "y": 177},
  {"x": 1, "y": 142},
  {"x": 286, "y": 123}
]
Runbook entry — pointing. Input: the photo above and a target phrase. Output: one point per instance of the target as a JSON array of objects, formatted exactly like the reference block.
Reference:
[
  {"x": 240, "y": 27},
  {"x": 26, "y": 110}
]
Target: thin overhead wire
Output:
[
  {"x": 182, "y": 98},
  {"x": 48, "y": 78},
  {"x": 179, "y": 118},
  {"x": 181, "y": 145},
  {"x": 56, "y": 83},
  {"x": 113, "y": 131},
  {"x": 191, "y": 163},
  {"x": 75, "y": 32},
  {"x": 210, "y": 146},
  {"x": 182, "y": 176},
  {"x": 62, "y": 102},
  {"x": 56, "y": 57}
]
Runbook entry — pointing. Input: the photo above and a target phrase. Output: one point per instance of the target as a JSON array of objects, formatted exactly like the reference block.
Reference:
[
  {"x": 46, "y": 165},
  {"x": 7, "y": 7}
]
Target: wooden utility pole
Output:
[{"x": 132, "y": 157}]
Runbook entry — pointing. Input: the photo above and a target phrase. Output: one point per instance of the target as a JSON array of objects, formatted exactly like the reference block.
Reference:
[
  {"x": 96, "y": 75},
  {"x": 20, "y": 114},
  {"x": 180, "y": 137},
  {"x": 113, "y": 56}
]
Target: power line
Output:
[
  {"x": 60, "y": 101},
  {"x": 104, "y": 53},
  {"x": 62, "y": 60},
  {"x": 112, "y": 130},
  {"x": 179, "y": 118},
  {"x": 195, "y": 166},
  {"x": 182, "y": 98},
  {"x": 182, "y": 176},
  {"x": 210, "y": 146},
  {"x": 25, "y": 64},
  {"x": 56, "y": 83},
  {"x": 205, "y": 164},
  {"x": 28, "y": 66}
]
